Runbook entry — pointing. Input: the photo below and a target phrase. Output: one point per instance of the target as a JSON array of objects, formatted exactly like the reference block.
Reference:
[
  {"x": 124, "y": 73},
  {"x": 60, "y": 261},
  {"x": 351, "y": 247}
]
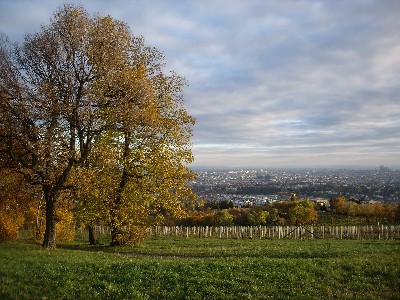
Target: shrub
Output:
[
  {"x": 258, "y": 218},
  {"x": 303, "y": 213},
  {"x": 222, "y": 218}
]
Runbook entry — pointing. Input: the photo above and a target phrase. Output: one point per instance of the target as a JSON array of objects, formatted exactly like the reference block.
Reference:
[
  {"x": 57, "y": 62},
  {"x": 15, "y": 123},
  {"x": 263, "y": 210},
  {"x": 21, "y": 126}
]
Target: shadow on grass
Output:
[
  {"x": 86, "y": 247},
  {"x": 165, "y": 253},
  {"x": 139, "y": 251}
]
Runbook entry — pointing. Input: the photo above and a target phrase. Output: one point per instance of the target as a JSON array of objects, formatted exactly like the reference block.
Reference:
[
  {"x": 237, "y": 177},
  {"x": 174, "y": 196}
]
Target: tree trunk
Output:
[
  {"x": 116, "y": 222},
  {"x": 93, "y": 237},
  {"x": 49, "y": 241},
  {"x": 116, "y": 235}
]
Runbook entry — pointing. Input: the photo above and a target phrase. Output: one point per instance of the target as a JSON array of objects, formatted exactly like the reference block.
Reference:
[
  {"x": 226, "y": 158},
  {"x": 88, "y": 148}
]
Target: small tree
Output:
[
  {"x": 222, "y": 218},
  {"x": 338, "y": 204},
  {"x": 303, "y": 213},
  {"x": 258, "y": 218}
]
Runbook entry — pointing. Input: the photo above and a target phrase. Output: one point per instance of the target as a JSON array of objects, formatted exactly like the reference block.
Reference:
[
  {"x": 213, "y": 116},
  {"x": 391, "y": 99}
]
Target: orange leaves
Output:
[
  {"x": 338, "y": 203},
  {"x": 66, "y": 226},
  {"x": 10, "y": 223},
  {"x": 14, "y": 199}
]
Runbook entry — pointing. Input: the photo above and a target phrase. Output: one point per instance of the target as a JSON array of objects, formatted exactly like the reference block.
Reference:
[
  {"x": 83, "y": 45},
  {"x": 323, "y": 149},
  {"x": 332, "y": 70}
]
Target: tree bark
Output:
[
  {"x": 116, "y": 222},
  {"x": 115, "y": 237},
  {"x": 49, "y": 241},
  {"x": 93, "y": 237}
]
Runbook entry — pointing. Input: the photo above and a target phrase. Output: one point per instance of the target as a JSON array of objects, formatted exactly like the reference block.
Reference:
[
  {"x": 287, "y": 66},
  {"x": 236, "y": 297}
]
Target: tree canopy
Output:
[{"x": 87, "y": 112}]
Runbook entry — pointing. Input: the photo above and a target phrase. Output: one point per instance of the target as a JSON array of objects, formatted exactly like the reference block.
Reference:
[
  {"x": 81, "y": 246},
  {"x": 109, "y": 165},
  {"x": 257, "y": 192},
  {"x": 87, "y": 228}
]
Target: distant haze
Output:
[{"x": 271, "y": 83}]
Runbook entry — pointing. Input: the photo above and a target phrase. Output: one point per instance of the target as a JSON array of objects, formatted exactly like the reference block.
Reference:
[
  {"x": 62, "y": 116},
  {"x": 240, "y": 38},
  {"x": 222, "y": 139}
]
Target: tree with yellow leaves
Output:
[
  {"x": 303, "y": 213},
  {"x": 14, "y": 200},
  {"x": 85, "y": 96}
]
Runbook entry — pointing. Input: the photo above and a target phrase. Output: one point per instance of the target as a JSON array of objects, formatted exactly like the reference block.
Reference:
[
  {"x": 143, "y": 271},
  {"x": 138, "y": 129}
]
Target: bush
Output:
[
  {"x": 222, "y": 218},
  {"x": 303, "y": 213},
  {"x": 258, "y": 218}
]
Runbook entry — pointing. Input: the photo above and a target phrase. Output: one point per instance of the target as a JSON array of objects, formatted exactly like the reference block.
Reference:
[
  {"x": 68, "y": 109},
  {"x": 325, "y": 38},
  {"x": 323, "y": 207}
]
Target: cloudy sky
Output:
[{"x": 271, "y": 83}]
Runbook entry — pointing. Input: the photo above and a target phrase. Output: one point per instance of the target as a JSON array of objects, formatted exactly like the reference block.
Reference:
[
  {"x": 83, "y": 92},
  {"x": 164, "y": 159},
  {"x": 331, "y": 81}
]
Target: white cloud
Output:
[{"x": 297, "y": 83}]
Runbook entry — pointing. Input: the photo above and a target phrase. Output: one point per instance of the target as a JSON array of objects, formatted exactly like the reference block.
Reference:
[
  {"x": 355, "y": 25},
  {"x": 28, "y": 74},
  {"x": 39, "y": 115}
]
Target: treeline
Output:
[
  {"x": 339, "y": 211},
  {"x": 21, "y": 207},
  {"x": 326, "y": 189},
  {"x": 356, "y": 211}
]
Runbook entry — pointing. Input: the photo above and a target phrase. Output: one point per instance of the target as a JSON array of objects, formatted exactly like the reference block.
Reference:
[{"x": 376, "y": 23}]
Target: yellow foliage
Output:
[
  {"x": 13, "y": 202},
  {"x": 303, "y": 213},
  {"x": 34, "y": 215},
  {"x": 338, "y": 204},
  {"x": 9, "y": 227},
  {"x": 127, "y": 128},
  {"x": 133, "y": 235},
  {"x": 65, "y": 228}
]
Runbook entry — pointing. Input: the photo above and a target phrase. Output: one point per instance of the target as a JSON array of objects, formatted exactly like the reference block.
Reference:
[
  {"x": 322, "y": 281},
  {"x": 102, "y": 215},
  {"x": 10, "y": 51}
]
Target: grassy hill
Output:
[{"x": 203, "y": 269}]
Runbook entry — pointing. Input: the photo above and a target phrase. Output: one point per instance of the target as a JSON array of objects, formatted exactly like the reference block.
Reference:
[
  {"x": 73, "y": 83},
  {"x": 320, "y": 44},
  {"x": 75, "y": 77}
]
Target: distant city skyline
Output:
[
  {"x": 272, "y": 84},
  {"x": 331, "y": 168},
  {"x": 363, "y": 185}
]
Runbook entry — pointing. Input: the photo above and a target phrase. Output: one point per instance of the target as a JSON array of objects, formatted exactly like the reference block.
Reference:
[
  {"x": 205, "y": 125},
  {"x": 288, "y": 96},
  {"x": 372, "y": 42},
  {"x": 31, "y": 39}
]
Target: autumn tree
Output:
[
  {"x": 258, "y": 218},
  {"x": 147, "y": 138},
  {"x": 86, "y": 82},
  {"x": 283, "y": 208},
  {"x": 303, "y": 213},
  {"x": 222, "y": 218},
  {"x": 46, "y": 106},
  {"x": 338, "y": 204}
]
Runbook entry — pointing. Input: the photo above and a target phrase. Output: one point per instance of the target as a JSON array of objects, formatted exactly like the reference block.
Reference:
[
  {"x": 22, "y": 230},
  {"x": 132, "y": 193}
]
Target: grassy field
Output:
[{"x": 203, "y": 269}]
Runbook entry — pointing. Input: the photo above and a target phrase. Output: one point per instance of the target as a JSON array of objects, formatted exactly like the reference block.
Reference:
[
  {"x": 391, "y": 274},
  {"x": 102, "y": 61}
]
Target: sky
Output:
[{"x": 291, "y": 84}]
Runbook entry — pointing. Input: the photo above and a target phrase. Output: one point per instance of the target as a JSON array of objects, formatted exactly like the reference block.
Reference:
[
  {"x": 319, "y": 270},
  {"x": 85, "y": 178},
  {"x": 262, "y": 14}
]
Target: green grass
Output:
[{"x": 203, "y": 269}]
